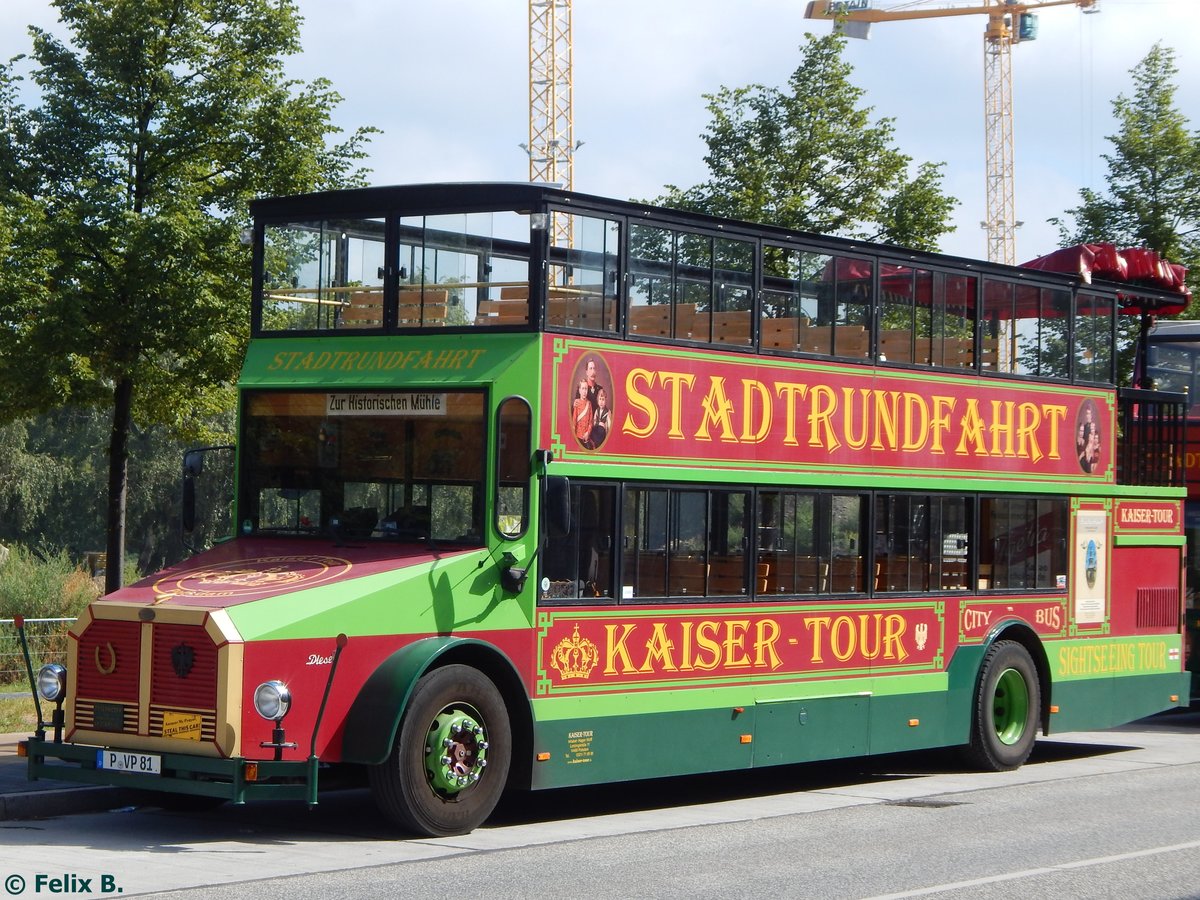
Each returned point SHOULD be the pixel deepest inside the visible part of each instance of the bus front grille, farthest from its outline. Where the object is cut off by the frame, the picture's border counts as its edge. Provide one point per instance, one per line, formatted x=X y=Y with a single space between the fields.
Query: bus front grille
x=176 y=698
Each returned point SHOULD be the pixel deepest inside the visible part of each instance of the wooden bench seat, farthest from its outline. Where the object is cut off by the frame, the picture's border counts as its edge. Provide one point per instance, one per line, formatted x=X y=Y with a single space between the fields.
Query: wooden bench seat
x=655 y=321
x=901 y=573
x=780 y=334
x=422 y=308
x=788 y=574
x=729 y=327
x=364 y=310
x=511 y=309
x=847 y=575
x=851 y=340
x=727 y=575
x=415 y=308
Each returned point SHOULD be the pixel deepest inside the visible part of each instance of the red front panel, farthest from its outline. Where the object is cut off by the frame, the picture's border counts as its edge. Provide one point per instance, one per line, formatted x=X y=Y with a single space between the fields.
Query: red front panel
x=185 y=667
x=109 y=656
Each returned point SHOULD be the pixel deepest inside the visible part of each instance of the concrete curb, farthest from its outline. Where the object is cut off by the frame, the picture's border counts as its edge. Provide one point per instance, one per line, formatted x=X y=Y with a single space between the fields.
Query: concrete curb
x=49 y=797
x=47 y=804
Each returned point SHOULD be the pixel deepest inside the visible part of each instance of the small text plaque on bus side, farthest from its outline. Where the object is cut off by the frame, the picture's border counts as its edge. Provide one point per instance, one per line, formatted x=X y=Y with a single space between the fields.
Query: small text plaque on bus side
x=374 y=404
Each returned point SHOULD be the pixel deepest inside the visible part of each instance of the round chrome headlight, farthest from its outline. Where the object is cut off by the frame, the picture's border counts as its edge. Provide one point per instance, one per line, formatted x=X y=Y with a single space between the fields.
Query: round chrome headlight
x=272 y=700
x=52 y=682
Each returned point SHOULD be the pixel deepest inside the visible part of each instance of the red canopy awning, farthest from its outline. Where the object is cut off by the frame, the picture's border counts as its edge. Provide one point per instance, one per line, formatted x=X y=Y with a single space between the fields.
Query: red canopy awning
x=1134 y=266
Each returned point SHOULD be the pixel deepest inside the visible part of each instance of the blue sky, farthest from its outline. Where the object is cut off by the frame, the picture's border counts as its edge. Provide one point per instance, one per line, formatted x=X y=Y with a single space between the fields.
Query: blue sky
x=447 y=83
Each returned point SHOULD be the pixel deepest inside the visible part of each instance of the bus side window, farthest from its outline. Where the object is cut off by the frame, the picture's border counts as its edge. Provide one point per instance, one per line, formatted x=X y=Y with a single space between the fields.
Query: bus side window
x=579 y=566
x=513 y=454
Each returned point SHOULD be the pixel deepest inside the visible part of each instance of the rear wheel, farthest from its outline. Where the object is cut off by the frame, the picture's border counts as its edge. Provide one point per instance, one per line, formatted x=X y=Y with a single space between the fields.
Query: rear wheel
x=1005 y=716
x=450 y=761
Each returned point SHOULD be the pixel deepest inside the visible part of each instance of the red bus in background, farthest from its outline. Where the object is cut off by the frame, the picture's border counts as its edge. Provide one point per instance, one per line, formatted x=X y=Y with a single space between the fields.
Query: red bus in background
x=1172 y=363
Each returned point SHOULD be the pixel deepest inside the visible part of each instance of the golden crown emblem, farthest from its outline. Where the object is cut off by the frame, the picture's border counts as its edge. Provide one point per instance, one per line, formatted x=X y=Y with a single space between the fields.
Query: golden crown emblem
x=575 y=657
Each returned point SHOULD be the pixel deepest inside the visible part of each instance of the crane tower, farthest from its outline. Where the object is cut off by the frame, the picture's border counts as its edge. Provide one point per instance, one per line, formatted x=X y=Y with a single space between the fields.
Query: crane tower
x=552 y=144
x=1009 y=22
x=551 y=127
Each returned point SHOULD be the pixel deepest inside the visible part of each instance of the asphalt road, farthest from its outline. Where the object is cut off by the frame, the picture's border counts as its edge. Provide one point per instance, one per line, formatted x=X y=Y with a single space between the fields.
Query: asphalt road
x=1102 y=814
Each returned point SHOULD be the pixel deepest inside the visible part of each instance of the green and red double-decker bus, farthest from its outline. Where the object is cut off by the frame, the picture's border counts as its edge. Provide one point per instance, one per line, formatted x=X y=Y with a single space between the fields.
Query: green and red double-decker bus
x=538 y=489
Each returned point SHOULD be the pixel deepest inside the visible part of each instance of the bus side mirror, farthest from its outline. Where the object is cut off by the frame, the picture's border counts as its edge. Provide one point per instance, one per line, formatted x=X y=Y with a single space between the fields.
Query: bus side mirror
x=193 y=465
x=557 y=498
x=191 y=497
x=188 y=514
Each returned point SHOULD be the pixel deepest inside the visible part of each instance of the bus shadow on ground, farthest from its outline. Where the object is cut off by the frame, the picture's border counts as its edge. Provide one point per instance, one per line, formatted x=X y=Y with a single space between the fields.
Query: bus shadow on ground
x=662 y=793
x=345 y=797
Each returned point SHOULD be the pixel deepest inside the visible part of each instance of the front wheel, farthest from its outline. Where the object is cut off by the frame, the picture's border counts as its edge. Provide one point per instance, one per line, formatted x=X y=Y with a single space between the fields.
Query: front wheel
x=1005 y=716
x=450 y=761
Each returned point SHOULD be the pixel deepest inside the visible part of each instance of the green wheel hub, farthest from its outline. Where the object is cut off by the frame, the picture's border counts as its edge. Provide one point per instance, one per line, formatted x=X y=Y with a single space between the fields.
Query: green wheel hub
x=1010 y=706
x=455 y=752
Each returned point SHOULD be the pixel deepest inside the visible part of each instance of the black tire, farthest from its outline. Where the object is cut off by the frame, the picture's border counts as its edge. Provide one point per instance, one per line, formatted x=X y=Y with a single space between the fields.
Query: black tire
x=1007 y=708
x=414 y=787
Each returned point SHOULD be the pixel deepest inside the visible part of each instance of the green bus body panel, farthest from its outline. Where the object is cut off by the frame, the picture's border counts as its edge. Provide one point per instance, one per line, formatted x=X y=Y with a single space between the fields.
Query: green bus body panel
x=804 y=730
x=1097 y=703
x=624 y=737
x=645 y=734
x=422 y=598
x=595 y=750
x=507 y=362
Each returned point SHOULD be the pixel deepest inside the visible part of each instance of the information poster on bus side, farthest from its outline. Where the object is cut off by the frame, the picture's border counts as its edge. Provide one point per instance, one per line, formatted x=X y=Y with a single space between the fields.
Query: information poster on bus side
x=1090 y=581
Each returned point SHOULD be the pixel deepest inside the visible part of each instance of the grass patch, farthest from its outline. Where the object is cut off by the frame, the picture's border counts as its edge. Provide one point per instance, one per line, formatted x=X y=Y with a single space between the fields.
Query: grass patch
x=17 y=715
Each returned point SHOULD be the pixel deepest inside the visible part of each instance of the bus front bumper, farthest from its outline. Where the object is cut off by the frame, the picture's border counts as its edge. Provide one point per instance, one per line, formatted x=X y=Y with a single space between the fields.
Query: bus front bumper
x=236 y=779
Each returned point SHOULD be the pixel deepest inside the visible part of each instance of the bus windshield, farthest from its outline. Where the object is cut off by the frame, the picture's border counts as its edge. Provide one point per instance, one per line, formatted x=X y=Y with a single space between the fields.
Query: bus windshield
x=389 y=465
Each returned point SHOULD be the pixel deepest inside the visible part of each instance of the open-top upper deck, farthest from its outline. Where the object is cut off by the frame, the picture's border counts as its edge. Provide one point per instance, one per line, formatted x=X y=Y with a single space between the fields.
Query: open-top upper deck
x=533 y=257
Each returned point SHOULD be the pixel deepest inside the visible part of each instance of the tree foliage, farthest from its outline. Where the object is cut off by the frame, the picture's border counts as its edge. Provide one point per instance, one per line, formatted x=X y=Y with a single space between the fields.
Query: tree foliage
x=1152 y=196
x=125 y=187
x=810 y=158
x=53 y=483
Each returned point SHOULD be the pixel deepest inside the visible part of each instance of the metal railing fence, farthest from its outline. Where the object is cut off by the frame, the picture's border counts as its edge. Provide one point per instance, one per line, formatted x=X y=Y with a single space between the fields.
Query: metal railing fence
x=47 y=639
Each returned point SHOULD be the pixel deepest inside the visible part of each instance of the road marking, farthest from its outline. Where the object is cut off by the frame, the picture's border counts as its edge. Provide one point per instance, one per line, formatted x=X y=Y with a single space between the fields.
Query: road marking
x=1045 y=870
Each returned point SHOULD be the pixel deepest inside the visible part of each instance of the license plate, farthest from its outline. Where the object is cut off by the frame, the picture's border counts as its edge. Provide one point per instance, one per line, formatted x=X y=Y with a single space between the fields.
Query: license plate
x=123 y=761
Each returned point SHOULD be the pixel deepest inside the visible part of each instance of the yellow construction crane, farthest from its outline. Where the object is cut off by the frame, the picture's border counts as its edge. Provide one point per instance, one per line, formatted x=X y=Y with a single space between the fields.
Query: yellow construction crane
x=1009 y=22
x=552 y=145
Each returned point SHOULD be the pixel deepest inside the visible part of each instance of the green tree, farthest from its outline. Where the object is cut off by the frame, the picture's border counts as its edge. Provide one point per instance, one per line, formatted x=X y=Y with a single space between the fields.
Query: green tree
x=1152 y=195
x=1153 y=181
x=126 y=184
x=810 y=158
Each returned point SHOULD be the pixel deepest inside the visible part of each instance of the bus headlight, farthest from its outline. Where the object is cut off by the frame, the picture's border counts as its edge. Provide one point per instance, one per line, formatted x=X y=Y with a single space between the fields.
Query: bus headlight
x=52 y=683
x=272 y=699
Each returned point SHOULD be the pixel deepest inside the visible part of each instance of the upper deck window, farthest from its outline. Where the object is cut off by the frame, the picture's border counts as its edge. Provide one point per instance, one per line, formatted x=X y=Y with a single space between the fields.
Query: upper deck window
x=584 y=287
x=927 y=318
x=384 y=261
x=322 y=274
x=1094 y=327
x=817 y=302
x=656 y=308
x=462 y=269
x=1028 y=326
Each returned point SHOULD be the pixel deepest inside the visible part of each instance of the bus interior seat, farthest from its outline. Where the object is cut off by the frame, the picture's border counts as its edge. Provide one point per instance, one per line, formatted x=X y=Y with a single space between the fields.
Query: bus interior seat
x=422 y=308
x=364 y=310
